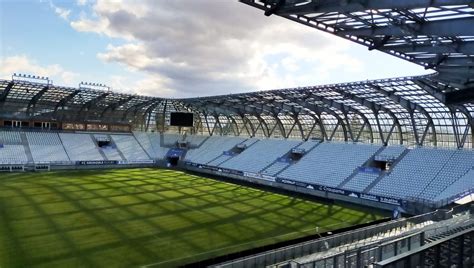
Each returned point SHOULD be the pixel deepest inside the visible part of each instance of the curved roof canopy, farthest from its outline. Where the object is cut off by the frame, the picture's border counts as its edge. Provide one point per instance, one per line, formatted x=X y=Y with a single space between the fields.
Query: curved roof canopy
x=436 y=34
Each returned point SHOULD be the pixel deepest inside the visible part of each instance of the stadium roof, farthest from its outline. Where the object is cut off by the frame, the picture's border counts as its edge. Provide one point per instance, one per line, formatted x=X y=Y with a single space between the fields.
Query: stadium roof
x=436 y=34
x=400 y=110
x=434 y=110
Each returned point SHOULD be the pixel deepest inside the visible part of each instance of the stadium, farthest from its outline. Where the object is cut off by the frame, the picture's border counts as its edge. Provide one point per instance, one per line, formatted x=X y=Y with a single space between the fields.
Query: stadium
x=374 y=173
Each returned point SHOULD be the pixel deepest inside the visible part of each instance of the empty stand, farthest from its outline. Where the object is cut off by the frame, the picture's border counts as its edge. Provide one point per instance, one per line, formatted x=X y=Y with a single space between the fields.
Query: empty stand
x=13 y=154
x=413 y=173
x=360 y=181
x=195 y=140
x=463 y=185
x=129 y=147
x=109 y=150
x=212 y=148
x=150 y=142
x=330 y=163
x=12 y=150
x=275 y=168
x=80 y=147
x=457 y=165
x=46 y=147
x=10 y=137
x=169 y=140
x=260 y=155
x=391 y=152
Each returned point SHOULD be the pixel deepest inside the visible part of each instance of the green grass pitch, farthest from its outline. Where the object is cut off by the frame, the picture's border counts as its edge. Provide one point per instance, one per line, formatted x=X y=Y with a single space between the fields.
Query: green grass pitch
x=135 y=217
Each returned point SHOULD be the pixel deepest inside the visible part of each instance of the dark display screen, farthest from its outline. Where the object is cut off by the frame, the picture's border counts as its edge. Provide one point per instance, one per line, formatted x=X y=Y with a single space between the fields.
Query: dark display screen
x=181 y=119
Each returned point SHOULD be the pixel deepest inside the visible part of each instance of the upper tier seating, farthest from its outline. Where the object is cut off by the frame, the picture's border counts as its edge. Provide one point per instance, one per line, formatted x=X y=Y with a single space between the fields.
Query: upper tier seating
x=413 y=173
x=392 y=152
x=80 y=147
x=195 y=140
x=10 y=137
x=307 y=145
x=151 y=143
x=171 y=139
x=46 y=147
x=130 y=148
x=249 y=142
x=260 y=155
x=13 y=154
x=330 y=163
x=213 y=147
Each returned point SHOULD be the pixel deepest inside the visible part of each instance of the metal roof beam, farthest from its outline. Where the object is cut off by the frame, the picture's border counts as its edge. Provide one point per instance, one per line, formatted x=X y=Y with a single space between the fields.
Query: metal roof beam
x=318 y=110
x=35 y=99
x=117 y=104
x=452 y=27
x=65 y=100
x=88 y=105
x=431 y=47
x=137 y=107
x=6 y=91
x=326 y=6
x=410 y=107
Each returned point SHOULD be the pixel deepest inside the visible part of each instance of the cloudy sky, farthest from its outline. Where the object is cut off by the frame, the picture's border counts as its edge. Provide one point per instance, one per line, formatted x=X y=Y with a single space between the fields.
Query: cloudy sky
x=177 y=48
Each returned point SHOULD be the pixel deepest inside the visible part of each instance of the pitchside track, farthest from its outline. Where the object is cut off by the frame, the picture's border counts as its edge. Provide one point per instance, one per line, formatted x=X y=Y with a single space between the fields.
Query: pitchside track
x=135 y=217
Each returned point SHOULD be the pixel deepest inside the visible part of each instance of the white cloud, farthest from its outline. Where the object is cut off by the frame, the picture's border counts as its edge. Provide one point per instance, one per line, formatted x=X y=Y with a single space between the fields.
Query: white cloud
x=61 y=12
x=191 y=48
x=81 y=2
x=22 y=64
x=145 y=85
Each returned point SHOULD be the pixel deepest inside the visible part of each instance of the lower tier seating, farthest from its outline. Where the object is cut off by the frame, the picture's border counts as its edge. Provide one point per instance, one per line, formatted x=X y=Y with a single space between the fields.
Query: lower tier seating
x=130 y=148
x=12 y=154
x=425 y=174
x=212 y=148
x=46 y=147
x=259 y=155
x=80 y=147
x=330 y=163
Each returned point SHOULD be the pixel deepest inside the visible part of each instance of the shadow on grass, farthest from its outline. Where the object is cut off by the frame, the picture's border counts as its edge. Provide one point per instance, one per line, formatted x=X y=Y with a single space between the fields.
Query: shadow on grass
x=123 y=218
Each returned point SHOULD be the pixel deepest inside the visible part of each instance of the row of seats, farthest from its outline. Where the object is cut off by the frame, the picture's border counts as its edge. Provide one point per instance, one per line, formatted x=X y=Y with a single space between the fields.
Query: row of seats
x=151 y=144
x=110 y=152
x=431 y=173
x=261 y=154
x=171 y=139
x=13 y=154
x=46 y=147
x=195 y=140
x=463 y=184
x=392 y=152
x=416 y=170
x=423 y=173
x=459 y=164
x=10 y=137
x=275 y=168
x=130 y=148
x=308 y=145
x=43 y=138
x=212 y=148
x=80 y=147
x=330 y=163
x=360 y=181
